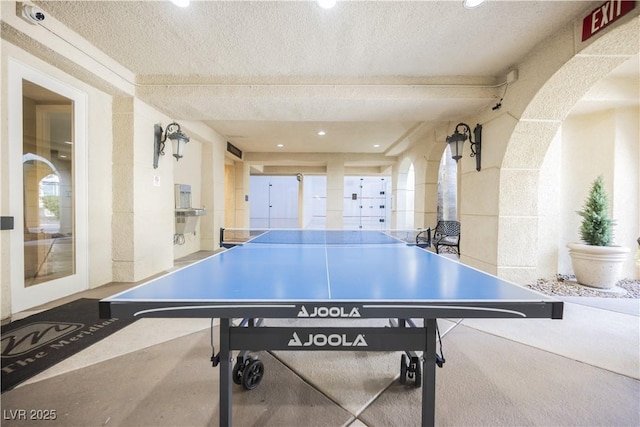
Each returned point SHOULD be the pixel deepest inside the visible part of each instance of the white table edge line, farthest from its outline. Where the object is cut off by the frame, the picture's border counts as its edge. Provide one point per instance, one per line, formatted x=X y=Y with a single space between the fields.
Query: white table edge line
x=199 y=307
x=454 y=307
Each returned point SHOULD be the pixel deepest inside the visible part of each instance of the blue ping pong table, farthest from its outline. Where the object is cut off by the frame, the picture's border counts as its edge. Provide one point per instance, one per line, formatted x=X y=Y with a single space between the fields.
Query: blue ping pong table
x=328 y=274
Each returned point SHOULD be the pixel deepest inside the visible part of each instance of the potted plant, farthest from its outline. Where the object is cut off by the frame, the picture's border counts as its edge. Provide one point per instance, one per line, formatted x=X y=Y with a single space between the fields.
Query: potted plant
x=597 y=263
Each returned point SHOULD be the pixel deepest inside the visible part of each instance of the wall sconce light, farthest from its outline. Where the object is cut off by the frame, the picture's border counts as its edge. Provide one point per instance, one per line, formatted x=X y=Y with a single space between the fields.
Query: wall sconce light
x=177 y=137
x=456 y=141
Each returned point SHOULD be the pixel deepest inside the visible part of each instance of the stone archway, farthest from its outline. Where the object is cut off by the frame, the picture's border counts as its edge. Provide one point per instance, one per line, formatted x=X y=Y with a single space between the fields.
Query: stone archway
x=531 y=136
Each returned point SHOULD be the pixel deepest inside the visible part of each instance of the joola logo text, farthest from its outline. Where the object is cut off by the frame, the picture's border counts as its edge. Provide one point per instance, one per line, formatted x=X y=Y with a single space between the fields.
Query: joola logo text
x=329 y=312
x=331 y=340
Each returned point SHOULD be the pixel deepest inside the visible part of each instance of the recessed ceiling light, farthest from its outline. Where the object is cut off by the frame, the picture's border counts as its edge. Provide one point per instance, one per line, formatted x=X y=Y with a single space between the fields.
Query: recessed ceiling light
x=470 y=4
x=181 y=3
x=326 y=4
x=321 y=133
x=280 y=145
x=376 y=145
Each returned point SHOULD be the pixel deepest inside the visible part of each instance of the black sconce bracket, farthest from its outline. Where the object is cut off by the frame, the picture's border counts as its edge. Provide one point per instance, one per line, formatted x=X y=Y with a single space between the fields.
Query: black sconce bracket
x=158 y=144
x=459 y=137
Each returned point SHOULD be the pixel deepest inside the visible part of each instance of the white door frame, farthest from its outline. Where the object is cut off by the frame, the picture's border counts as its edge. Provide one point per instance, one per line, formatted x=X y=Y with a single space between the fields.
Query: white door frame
x=23 y=298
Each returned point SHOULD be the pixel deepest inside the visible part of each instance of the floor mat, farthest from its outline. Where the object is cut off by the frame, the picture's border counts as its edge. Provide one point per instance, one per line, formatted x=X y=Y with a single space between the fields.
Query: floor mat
x=33 y=344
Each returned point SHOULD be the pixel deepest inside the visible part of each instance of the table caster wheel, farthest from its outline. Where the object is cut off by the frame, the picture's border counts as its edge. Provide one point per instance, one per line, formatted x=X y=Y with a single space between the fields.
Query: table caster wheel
x=403 y=368
x=252 y=374
x=417 y=376
x=415 y=372
x=238 y=368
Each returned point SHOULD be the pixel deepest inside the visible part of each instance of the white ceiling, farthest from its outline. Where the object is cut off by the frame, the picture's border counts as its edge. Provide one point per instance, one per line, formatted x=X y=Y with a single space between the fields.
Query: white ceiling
x=368 y=73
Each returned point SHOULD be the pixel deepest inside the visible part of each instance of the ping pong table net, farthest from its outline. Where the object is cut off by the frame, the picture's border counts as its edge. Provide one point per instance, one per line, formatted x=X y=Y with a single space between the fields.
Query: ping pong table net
x=230 y=237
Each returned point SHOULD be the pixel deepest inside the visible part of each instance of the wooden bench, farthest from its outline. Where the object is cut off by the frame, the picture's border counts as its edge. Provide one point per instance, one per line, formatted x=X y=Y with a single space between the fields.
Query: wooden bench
x=446 y=233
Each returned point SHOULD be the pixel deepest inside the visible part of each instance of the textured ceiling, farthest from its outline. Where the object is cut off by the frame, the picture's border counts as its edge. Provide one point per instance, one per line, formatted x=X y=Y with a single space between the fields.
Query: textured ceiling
x=368 y=73
x=276 y=41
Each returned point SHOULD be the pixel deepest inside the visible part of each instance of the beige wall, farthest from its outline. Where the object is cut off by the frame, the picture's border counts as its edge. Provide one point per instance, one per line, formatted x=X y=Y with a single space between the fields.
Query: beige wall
x=550 y=228
x=606 y=144
x=236 y=187
x=504 y=207
x=626 y=184
x=100 y=172
x=500 y=205
x=230 y=195
x=587 y=145
x=143 y=214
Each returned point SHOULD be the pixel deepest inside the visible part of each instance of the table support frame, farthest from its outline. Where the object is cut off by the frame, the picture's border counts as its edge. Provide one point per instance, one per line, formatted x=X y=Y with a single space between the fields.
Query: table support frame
x=280 y=338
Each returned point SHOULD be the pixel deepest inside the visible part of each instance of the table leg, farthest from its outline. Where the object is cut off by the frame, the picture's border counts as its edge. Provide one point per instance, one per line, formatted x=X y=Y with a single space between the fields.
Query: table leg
x=226 y=395
x=429 y=375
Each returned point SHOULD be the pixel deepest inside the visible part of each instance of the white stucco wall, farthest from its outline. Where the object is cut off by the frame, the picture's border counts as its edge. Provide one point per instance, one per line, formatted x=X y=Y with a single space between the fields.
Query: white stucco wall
x=604 y=144
x=549 y=194
x=552 y=79
x=626 y=184
x=143 y=209
x=100 y=159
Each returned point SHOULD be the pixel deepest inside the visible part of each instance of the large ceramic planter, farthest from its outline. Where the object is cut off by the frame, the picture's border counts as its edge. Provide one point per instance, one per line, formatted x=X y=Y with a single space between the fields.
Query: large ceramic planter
x=597 y=266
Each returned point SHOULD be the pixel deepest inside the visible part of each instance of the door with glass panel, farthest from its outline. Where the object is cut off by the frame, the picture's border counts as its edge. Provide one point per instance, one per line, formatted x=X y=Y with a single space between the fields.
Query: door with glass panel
x=49 y=238
x=366 y=202
x=274 y=202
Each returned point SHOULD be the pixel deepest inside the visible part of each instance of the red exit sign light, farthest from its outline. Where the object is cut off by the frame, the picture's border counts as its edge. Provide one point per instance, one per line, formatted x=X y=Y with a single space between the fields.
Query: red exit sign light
x=604 y=15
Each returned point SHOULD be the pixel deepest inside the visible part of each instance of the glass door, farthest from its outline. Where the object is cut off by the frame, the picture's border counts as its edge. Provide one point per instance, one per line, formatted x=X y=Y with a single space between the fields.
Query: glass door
x=274 y=202
x=366 y=203
x=48 y=193
x=45 y=156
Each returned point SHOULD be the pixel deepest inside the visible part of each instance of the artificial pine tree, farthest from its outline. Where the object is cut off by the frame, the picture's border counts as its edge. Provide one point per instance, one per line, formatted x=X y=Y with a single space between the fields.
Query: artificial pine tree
x=596 y=226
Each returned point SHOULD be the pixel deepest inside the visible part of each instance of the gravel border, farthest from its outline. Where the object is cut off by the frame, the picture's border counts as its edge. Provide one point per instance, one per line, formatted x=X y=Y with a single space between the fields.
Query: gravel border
x=567 y=286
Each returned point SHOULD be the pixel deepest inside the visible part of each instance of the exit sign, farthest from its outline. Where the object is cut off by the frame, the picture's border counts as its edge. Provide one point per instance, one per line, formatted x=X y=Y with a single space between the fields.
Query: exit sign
x=604 y=15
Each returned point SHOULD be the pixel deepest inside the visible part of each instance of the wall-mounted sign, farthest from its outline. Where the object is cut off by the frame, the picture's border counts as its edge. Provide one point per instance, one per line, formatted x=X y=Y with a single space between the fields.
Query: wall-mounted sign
x=604 y=15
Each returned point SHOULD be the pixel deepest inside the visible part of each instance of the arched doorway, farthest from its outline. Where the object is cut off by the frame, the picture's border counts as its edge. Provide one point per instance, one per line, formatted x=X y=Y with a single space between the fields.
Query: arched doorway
x=521 y=240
